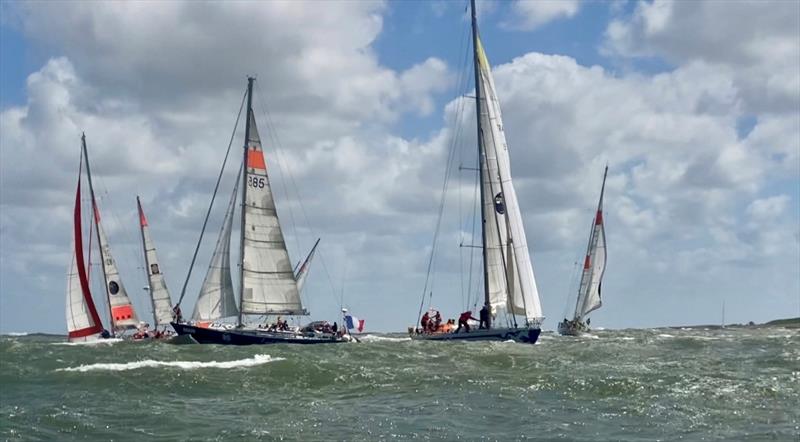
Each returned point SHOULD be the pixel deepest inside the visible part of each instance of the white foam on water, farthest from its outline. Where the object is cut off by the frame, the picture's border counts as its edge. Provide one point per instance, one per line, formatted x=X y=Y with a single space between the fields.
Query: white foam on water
x=183 y=365
x=664 y=335
x=17 y=334
x=375 y=338
x=109 y=341
x=589 y=336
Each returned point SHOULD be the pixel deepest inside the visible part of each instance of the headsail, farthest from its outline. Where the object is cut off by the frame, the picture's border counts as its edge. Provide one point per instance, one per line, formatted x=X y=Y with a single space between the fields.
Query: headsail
x=159 y=294
x=83 y=322
x=268 y=283
x=301 y=272
x=594 y=265
x=122 y=314
x=216 y=298
x=509 y=267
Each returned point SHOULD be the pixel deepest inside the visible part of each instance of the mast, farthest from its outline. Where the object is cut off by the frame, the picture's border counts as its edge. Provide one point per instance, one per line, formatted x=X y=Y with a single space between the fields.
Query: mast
x=480 y=156
x=244 y=193
x=97 y=231
x=146 y=262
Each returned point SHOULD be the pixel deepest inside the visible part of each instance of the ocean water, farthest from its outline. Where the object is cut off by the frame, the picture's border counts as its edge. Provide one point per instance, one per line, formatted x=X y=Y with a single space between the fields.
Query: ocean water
x=626 y=385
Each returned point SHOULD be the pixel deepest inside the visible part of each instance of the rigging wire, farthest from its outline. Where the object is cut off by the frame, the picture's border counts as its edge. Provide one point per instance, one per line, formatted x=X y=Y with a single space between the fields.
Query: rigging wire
x=211 y=205
x=279 y=152
x=431 y=267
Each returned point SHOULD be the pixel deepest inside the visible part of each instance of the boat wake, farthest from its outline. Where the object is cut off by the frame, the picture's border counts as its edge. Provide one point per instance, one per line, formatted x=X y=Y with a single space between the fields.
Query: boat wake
x=183 y=365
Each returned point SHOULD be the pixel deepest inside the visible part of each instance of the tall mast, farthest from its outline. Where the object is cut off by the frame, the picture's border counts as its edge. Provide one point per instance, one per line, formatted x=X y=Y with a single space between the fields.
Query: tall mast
x=95 y=213
x=480 y=154
x=146 y=261
x=244 y=193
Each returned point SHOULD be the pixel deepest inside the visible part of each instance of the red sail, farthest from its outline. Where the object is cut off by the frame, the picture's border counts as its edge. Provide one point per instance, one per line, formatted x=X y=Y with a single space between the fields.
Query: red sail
x=87 y=295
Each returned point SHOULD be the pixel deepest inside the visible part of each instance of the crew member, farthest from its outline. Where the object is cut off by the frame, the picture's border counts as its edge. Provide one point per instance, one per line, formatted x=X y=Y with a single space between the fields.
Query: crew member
x=462 y=321
x=484 y=315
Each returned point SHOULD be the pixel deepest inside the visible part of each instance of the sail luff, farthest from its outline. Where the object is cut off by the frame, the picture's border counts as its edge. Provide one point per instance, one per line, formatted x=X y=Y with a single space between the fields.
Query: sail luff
x=159 y=294
x=484 y=249
x=594 y=264
x=302 y=270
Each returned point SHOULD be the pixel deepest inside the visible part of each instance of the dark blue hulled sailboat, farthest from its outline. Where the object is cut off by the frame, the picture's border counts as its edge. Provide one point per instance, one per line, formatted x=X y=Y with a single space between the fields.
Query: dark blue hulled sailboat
x=268 y=284
x=511 y=299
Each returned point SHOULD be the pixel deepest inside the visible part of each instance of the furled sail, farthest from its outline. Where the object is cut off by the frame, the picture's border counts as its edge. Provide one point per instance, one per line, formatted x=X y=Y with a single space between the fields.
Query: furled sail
x=510 y=271
x=268 y=283
x=83 y=322
x=594 y=265
x=217 y=299
x=159 y=294
x=122 y=313
x=302 y=271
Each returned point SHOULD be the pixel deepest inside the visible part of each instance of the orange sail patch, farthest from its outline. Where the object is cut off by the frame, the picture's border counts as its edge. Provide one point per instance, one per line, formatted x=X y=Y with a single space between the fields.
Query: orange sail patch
x=122 y=312
x=255 y=159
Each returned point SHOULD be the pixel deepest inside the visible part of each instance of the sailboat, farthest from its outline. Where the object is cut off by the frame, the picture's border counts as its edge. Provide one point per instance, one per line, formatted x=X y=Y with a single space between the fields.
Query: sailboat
x=157 y=287
x=83 y=321
x=594 y=266
x=267 y=283
x=509 y=283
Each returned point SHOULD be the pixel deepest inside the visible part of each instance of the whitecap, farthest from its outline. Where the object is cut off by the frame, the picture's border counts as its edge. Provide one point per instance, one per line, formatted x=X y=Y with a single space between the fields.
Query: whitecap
x=183 y=365
x=589 y=336
x=664 y=335
x=17 y=334
x=376 y=338
x=109 y=341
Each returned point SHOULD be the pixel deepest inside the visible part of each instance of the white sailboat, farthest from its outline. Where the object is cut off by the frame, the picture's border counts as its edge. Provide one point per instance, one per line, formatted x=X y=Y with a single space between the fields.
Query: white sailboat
x=160 y=300
x=594 y=266
x=267 y=283
x=83 y=321
x=509 y=283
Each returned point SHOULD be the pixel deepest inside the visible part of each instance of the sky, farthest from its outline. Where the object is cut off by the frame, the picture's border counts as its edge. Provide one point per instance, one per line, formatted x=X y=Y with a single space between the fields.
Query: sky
x=695 y=107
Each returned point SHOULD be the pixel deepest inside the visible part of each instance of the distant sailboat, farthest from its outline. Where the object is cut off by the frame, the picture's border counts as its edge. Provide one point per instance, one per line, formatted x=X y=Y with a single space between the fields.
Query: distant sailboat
x=83 y=322
x=509 y=283
x=267 y=284
x=157 y=287
x=594 y=266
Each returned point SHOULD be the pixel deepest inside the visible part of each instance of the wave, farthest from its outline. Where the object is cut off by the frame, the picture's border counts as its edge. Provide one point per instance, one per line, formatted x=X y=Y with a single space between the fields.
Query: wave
x=376 y=338
x=664 y=335
x=16 y=334
x=108 y=341
x=183 y=365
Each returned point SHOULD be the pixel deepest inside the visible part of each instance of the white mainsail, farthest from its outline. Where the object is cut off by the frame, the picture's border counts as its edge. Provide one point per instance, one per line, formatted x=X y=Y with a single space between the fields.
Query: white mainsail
x=594 y=265
x=159 y=294
x=217 y=299
x=510 y=271
x=83 y=322
x=268 y=282
x=122 y=314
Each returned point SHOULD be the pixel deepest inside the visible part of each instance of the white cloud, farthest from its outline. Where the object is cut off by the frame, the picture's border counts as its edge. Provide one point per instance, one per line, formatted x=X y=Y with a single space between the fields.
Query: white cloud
x=532 y=14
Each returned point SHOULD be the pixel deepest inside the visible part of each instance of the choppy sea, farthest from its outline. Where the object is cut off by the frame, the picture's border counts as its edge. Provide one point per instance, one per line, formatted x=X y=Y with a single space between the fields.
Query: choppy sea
x=620 y=385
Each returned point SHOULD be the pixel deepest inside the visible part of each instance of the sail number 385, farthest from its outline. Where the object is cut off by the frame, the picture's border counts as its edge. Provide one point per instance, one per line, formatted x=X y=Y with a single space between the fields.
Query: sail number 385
x=256 y=181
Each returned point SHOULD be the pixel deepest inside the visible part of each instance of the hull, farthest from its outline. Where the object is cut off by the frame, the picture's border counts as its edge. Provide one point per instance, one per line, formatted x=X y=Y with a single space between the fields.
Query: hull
x=525 y=335
x=250 y=336
x=572 y=329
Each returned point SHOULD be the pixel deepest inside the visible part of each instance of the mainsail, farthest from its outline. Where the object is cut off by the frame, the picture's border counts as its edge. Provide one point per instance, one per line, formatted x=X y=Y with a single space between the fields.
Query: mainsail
x=159 y=295
x=122 y=314
x=83 y=322
x=509 y=270
x=268 y=284
x=594 y=265
x=216 y=298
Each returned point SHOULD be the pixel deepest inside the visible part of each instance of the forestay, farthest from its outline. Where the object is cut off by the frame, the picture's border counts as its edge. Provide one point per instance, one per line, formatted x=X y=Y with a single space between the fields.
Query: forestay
x=268 y=282
x=217 y=299
x=510 y=272
x=122 y=313
x=159 y=294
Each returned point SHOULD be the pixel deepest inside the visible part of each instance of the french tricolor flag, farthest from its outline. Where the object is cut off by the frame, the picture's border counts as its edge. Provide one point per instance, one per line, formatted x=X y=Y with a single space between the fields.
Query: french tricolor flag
x=354 y=323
